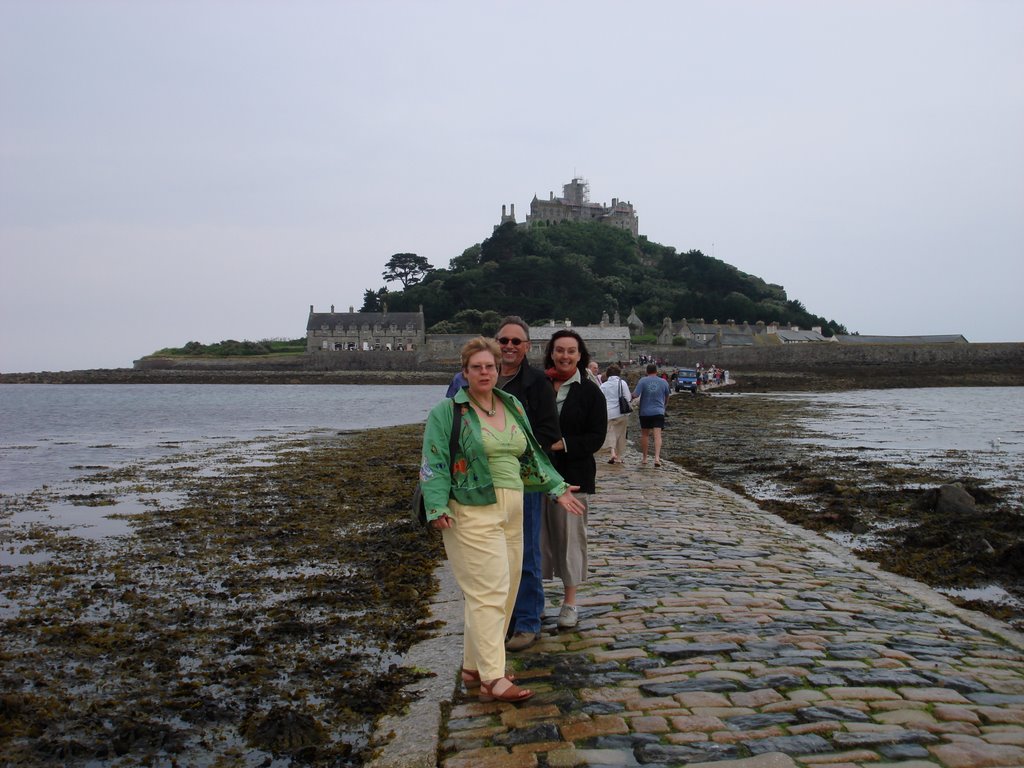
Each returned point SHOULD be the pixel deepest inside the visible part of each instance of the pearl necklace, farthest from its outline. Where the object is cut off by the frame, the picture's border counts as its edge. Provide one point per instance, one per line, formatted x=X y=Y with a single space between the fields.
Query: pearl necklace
x=490 y=412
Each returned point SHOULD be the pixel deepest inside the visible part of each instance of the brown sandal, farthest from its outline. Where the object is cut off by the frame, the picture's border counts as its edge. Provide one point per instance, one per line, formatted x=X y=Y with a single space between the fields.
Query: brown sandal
x=471 y=677
x=512 y=694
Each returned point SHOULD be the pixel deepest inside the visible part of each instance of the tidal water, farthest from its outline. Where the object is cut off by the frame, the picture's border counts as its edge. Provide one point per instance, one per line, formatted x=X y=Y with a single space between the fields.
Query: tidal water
x=969 y=431
x=51 y=433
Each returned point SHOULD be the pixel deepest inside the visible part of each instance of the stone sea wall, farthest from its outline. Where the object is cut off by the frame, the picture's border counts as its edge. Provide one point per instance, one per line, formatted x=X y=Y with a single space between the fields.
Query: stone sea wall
x=845 y=365
x=818 y=356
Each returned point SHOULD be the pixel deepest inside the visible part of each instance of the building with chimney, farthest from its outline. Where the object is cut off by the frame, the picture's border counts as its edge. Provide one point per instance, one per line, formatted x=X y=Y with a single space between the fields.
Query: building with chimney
x=365 y=331
x=574 y=205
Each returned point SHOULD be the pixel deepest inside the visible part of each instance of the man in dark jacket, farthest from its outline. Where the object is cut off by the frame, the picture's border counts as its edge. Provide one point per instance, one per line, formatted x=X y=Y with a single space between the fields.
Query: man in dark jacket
x=535 y=392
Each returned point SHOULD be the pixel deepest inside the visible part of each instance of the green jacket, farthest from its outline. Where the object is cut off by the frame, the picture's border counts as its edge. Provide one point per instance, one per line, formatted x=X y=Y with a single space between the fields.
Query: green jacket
x=470 y=483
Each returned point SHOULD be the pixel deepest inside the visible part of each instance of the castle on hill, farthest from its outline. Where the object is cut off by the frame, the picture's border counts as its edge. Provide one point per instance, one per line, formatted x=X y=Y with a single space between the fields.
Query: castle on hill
x=574 y=205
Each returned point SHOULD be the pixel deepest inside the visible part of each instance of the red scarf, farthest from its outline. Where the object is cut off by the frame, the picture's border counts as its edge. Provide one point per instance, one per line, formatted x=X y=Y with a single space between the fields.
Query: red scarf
x=555 y=375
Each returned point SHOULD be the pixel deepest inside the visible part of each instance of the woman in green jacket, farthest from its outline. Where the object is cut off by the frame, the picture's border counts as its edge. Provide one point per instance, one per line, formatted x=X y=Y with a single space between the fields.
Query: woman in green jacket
x=475 y=498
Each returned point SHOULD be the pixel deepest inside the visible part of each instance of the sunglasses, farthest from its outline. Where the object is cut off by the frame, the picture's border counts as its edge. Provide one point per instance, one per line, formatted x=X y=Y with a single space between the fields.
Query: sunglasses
x=505 y=341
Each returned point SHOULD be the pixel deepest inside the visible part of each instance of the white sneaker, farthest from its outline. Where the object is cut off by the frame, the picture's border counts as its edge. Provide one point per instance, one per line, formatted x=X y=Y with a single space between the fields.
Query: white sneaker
x=568 y=617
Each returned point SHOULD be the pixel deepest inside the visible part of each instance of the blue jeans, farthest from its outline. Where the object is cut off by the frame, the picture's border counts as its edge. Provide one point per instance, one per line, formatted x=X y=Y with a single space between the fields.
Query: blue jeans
x=529 y=608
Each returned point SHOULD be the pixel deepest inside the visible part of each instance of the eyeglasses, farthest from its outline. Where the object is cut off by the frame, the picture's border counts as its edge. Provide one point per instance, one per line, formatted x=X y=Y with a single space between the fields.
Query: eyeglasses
x=505 y=341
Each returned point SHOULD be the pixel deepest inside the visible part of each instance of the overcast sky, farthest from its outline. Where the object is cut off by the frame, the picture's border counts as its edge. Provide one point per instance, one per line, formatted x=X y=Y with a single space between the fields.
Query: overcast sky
x=176 y=171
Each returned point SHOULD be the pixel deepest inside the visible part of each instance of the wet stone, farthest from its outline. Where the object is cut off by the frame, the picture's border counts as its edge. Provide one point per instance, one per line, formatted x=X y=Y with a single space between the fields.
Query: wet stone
x=564 y=700
x=817 y=714
x=903 y=751
x=709 y=684
x=616 y=677
x=996 y=699
x=923 y=648
x=542 y=732
x=579 y=671
x=602 y=708
x=771 y=646
x=851 y=652
x=629 y=742
x=639 y=665
x=778 y=682
x=754 y=722
x=853 y=740
x=809 y=744
x=675 y=651
x=803 y=605
x=791 y=661
x=824 y=680
x=619 y=645
x=802 y=653
x=752 y=656
x=690 y=753
x=883 y=677
x=958 y=684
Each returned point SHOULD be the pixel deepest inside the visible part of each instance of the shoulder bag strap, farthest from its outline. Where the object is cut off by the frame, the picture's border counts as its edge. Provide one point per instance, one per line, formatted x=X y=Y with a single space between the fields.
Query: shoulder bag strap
x=453 y=442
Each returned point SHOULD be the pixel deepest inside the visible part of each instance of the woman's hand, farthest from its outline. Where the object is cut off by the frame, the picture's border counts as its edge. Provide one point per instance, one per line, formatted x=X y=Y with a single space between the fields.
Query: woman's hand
x=570 y=503
x=442 y=522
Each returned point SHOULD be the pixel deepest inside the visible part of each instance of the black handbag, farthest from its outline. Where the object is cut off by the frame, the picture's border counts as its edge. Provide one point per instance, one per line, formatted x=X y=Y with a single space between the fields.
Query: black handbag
x=624 y=405
x=419 y=509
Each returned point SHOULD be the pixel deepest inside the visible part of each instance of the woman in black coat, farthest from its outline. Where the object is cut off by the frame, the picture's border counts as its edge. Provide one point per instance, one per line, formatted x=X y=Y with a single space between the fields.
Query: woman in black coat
x=583 y=418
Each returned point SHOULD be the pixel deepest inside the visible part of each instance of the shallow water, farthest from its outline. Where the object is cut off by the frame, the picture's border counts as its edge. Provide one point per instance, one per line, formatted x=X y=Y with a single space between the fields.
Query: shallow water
x=52 y=432
x=973 y=431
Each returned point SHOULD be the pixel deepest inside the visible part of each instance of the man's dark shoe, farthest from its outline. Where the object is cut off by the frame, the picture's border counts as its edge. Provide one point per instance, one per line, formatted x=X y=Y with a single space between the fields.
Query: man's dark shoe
x=520 y=641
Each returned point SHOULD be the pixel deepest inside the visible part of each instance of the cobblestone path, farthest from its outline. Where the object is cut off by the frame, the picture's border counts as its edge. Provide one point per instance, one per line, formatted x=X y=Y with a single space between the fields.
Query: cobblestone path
x=713 y=632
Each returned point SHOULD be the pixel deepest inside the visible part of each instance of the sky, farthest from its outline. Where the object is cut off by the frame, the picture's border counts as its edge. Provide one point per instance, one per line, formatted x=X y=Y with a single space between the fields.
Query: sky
x=207 y=170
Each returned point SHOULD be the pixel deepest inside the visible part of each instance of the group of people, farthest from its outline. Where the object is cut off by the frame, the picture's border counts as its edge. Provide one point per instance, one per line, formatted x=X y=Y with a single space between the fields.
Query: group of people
x=712 y=375
x=509 y=490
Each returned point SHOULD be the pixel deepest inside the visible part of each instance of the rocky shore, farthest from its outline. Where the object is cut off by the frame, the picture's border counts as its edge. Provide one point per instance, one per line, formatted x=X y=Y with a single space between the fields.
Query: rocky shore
x=256 y=615
x=947 y=530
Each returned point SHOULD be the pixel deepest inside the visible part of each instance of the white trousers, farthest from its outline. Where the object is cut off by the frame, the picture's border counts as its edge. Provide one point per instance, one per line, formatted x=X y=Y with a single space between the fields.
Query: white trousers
x=616 y=436
x=485 y=549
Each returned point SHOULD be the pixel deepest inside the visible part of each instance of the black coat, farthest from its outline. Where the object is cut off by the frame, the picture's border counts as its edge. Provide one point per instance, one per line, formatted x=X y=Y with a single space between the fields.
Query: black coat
x=535 y=392
x=584 y=423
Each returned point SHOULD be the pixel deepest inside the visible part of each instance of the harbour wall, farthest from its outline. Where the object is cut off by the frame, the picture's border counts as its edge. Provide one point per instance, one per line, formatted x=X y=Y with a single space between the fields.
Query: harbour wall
x=1008 y=357
x=846 y=365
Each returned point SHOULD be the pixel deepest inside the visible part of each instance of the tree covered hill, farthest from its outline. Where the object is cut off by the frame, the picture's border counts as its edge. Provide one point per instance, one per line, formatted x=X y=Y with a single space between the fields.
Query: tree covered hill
x=579 y=271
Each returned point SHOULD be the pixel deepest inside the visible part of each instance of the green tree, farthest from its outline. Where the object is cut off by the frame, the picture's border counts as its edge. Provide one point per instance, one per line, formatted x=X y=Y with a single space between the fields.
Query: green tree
x=581 y=270
x=373 y=301
x=407 y=268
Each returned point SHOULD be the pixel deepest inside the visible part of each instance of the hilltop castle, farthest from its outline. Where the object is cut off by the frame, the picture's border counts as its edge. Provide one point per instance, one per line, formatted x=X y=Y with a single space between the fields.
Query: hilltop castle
x=574 y=205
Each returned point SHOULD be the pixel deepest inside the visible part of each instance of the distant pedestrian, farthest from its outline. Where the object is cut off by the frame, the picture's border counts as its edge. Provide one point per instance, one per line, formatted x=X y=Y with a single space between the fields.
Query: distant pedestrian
x=594 y=372
x=653 y=392
x=614 y=388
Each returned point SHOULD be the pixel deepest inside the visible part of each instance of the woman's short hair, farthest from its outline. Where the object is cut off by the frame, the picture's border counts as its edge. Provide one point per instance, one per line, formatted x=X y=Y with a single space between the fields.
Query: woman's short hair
x=479 y=344
x=549 y=361
x=613 y=370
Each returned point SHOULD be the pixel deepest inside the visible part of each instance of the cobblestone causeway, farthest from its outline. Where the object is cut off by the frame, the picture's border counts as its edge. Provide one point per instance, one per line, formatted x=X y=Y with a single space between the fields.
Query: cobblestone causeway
x=712 y=632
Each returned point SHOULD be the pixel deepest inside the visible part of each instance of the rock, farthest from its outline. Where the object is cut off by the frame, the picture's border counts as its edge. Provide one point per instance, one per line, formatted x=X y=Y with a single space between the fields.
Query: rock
x=952 y=499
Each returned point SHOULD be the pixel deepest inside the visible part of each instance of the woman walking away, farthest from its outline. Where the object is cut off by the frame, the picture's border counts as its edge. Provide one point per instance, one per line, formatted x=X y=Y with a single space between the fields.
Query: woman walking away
x=475 y=498
x=583 y=418
x=614 y=388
